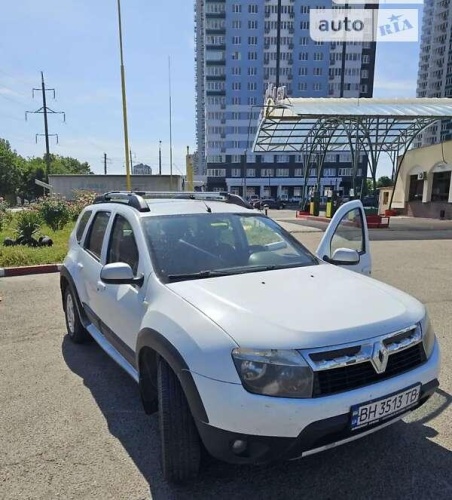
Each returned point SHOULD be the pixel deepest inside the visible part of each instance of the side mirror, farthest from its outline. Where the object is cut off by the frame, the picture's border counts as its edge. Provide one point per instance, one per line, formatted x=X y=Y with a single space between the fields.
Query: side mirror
x=119 y=273
x=344 y=257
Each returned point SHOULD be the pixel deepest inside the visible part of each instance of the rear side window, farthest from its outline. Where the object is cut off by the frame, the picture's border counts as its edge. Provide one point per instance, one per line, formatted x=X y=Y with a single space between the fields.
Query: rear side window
x=96 y=233
x=82 y=224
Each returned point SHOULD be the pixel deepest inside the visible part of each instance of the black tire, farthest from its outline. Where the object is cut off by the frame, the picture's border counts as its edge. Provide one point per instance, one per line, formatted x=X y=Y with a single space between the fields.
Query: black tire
x=181 y=447
x=75 y=330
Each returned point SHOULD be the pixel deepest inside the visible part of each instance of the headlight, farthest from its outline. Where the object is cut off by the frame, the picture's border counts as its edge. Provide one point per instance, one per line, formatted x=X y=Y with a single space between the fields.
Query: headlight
x=284 y=373
x=428 y=335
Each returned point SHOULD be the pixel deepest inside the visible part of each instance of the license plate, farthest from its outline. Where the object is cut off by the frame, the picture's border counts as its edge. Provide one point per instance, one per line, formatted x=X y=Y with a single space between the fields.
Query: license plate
x=378 y=410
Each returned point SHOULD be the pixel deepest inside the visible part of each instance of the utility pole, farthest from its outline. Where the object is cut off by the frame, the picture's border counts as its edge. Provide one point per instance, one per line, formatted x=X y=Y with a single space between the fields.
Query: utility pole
x=105 y=163
x=160 y=157
x=170 y=125
x=130 y=153
x=45 y=110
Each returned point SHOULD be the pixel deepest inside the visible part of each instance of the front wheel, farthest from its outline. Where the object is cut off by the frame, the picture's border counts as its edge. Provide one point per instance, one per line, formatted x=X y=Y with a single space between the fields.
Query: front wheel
x=181 y=447
x=75 y=329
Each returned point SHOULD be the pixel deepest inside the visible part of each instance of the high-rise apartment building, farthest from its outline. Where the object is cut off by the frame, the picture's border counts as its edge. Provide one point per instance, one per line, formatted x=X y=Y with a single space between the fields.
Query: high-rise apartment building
x=435 y=64
x=236 y=58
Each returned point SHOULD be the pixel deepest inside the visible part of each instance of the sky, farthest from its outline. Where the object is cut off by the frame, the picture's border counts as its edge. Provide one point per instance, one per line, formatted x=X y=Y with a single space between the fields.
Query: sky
x=76 y=44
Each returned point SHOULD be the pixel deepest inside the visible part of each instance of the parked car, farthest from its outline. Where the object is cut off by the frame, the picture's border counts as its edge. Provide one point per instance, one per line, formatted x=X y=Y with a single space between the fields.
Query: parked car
x=253 y=198
x=317 y=355
x=270 y=203
x=295 y=199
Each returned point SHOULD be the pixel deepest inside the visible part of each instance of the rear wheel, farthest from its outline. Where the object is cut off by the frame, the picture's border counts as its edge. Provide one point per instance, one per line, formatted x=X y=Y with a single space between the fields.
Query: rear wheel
x=75 y=329
x=181 y=447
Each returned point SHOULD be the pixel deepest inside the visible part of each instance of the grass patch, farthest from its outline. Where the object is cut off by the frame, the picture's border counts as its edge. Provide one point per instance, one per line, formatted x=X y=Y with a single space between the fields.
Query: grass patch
x=20 y=255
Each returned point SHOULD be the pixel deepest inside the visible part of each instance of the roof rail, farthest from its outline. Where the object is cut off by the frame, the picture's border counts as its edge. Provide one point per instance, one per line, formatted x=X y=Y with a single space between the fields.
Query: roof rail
x=125 y=198
x=197 y=195
x=136 y=199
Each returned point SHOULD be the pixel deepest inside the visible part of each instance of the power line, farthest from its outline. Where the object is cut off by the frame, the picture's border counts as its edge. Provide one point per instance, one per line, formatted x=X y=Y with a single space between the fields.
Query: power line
x=45 y=110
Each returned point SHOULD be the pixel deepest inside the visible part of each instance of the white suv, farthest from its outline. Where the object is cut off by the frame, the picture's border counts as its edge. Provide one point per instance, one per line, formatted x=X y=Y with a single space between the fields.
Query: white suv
x=244 y=342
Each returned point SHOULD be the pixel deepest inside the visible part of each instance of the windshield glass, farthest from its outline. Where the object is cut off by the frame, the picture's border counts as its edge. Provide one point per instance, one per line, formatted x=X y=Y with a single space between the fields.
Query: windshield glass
x=198 y=246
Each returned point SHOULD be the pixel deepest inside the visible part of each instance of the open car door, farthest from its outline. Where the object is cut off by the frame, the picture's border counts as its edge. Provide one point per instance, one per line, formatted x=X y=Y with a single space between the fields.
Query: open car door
x=346 y=239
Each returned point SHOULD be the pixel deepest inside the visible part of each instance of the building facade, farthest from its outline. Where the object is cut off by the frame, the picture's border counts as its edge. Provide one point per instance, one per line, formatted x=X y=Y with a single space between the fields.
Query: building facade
x=141 y=169
x=435 y=64
x=236 y=59
x=424 y=186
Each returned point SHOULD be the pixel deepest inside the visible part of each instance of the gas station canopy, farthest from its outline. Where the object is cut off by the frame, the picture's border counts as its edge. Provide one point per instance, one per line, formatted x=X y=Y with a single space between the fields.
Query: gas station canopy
x=314 y=127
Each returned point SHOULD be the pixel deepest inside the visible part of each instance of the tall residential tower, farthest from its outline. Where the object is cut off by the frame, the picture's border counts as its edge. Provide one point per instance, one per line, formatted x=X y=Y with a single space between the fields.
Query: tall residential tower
x=236 y=58
x=435 y=64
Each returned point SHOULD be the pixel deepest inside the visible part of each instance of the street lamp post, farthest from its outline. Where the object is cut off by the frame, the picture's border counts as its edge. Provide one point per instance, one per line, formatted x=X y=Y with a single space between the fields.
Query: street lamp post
x=124 y=102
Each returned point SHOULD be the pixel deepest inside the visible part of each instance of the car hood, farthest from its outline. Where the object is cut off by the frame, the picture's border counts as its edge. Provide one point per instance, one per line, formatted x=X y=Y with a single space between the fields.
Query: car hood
x=305 y=307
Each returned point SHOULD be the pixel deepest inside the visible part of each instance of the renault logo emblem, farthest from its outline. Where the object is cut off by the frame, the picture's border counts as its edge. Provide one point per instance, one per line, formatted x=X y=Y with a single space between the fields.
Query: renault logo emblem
x=380 y=357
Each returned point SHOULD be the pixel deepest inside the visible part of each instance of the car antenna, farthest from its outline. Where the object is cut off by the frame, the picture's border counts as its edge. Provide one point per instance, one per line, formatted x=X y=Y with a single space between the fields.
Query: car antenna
x=209 y=210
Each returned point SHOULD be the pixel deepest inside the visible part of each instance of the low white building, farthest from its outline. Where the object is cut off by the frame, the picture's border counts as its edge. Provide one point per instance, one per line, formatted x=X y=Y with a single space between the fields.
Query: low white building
x=67 y=185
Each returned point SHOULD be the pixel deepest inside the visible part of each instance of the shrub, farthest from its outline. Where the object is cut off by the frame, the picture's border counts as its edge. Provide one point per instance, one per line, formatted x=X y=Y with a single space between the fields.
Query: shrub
x=28 y=223
x=54 y=212
x=5 y=215
x=82 y=199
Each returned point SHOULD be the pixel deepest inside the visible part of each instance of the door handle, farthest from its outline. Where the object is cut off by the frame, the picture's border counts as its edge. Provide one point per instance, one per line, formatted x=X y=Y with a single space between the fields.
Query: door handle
x=100 y=286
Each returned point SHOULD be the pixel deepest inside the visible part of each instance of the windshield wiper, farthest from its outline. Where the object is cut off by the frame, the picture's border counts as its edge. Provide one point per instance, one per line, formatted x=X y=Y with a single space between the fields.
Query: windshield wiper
x=198 y=275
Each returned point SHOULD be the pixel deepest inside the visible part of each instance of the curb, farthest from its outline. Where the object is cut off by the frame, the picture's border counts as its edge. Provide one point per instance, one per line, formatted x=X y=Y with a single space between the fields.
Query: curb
x=317 y=218
x=6 y=272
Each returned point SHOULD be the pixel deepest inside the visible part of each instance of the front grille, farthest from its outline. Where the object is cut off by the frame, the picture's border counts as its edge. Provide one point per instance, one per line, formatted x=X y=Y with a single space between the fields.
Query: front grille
x=353 y=376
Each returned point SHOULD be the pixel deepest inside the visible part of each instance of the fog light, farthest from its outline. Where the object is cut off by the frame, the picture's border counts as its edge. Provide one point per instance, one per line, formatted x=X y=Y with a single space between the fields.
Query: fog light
x=239 y=446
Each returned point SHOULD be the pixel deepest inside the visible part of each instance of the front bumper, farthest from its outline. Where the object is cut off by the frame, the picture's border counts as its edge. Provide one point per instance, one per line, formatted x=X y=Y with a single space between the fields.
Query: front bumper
x=282 y=428
x=240 y=448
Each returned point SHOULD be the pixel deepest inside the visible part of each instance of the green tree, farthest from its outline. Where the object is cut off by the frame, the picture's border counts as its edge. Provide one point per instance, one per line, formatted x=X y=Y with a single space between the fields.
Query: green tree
x=67 y=165
x=10 y=163
x=384 y=181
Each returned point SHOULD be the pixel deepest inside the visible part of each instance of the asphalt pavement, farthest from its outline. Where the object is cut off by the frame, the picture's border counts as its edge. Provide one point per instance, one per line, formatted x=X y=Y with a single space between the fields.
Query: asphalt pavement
x=72 y=425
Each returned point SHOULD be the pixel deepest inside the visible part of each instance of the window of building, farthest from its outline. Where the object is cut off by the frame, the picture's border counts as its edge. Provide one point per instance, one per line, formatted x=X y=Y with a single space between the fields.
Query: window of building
x=267 y=172
x=304 y=25
x=236 y=100
x=236 y=172
x=236 y=56
x=303 y=56
x=236 y=70
x=329 y=172
x=441 y=186
x=236 y=159
x=302 y=86
x=303 y=71
x=237 y=8
x=251 y=172
x=252 y=101
x=252 y=25
x=252 y=9
x=252 y=56
x=298 y=172
x=318 y=56
x=317 y=86
x=252 y=86
x=304 y=40
x=216 y=172
x=252 y=40
x=236 y=85
x=345 y=172
x=252 y=71
x=237 y=24
x=282 y=172
x=317 y=71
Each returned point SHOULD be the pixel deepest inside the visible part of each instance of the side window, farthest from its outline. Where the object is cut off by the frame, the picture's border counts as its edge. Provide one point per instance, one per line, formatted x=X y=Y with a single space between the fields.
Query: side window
x=93 y=243
x=122 y=246
x=82 y=224
x=349 y=232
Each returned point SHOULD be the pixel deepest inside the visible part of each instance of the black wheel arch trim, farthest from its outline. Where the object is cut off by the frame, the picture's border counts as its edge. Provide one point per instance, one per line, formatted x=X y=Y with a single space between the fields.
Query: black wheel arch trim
x=156 y=341
x=66 y=275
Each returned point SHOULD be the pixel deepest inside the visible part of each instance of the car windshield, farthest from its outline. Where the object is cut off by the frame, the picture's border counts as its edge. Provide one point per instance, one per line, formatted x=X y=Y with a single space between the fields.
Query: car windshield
x=197 y=246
